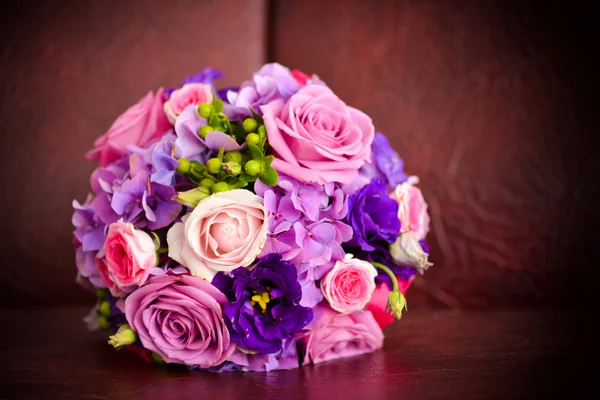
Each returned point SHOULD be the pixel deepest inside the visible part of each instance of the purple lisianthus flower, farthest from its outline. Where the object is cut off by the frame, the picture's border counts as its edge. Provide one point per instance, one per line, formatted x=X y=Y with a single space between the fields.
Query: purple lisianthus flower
x=272 y=81
x=144 y=203
x=386 y=165
x=263 y=307
x=207 y=76
x=373 y=216
x=89 y=237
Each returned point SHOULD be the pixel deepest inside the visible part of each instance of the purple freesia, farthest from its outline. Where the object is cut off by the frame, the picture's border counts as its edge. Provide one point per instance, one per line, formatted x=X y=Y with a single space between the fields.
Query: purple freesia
x=263 y=307
x=208 y=75
x=373 y=216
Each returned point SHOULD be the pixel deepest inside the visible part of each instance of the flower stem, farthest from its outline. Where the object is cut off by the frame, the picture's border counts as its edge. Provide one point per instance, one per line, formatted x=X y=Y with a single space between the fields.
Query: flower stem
x=389 y=272
x=162 y=250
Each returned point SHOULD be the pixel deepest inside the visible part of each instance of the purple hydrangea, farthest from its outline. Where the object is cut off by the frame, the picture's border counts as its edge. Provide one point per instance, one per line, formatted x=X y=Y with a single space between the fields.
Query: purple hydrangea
x=386 y=165
x=89 y=236
x=272 y=81
x=264 y=304
x=373 y=216
x=208 y=75
x=306 y=227
x=130 y=194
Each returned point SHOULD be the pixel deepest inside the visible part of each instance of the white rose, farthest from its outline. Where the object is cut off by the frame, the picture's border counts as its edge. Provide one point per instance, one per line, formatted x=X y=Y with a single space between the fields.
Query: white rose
x=225 y=231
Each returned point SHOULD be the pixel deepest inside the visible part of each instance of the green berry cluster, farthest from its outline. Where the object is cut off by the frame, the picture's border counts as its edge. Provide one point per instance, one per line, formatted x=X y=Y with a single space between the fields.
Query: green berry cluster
x=228 y=169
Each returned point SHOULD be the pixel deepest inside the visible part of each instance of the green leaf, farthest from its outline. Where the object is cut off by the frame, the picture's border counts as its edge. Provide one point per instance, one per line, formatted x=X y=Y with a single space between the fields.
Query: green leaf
x=256 y=152
x=217 y=104
x=244 y=177
x=269 y=177
x=257 y=117
x=239 y=133
x=268 y=160
x=238 y=185
x=221 y=153
x=214 y=121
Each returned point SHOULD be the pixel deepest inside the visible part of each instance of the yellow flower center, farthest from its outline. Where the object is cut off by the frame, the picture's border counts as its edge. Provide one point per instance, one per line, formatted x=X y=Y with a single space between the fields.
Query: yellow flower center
x=262 y=299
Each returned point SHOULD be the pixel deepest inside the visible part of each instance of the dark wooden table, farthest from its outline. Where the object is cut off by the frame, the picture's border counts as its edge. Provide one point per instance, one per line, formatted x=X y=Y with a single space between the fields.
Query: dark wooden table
x=49 y=354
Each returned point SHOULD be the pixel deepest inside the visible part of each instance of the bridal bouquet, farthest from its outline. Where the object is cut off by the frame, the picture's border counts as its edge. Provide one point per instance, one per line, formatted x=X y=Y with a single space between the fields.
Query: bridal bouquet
x=254 y=228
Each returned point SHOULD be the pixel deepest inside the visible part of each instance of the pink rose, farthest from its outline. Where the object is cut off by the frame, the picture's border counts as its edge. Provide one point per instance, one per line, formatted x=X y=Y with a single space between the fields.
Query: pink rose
x=413 y=209
x=379 y=302
x=180 y=318
x=140 y=124
x=129 y=257
x=349 y=285
x=225 y=231
x=334 y=335
x=190 y=94
x=316 y=137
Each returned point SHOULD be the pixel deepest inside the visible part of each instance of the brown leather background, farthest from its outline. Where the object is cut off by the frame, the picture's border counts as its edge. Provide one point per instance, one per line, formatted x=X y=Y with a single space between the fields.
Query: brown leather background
x=488 y=102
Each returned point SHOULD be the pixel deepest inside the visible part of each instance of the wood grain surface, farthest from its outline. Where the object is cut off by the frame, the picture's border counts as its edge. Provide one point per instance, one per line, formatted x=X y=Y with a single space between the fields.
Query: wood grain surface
x=48 y=354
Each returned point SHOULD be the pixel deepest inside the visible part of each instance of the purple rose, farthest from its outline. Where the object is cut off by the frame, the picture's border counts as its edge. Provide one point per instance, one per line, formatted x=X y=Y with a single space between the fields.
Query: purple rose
x=180 y=318
x=264 y=304
x=373 y=216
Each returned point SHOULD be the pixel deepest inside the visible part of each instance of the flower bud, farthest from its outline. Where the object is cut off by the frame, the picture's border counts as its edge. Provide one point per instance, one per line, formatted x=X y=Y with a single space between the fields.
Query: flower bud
x=250 y=125
x=192 y=197
x=232 y=168
x=207 y=183
x=103 y=322
x=101 y=294
x=234 y=155
x=205 y=130
x=396 y=303
x=252 y=167
x=184 y=166
x=253 y=138
x=407 y=250
x=213 y=165
x=104 y=309
x=220 y=187
x=156 y=357
x=124 y=336
x=205 y=109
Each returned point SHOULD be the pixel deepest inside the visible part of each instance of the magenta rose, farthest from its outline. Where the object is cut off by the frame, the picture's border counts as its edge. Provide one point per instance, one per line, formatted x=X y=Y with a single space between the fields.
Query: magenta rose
x=140 y=124
x=332 y=335
x=316 y=137
x=129 y=255
x=180 y=318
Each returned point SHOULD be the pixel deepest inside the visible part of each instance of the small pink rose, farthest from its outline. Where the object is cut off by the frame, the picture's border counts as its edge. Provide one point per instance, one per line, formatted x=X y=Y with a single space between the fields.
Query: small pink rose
x=413 y=208
x=140 y=124
x=129 y=257
x=190 y=94
x=349 y=285
x=333 y=335
x=316 y=137
x=225 y=231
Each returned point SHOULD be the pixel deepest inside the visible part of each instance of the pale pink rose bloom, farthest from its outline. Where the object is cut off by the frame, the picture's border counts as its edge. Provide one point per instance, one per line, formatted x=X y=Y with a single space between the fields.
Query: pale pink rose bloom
x=412 y=210
x=190 y=94
x=140 y=124
x=332 y=335
x=316 y=137
x=225 y=231
x=349 y=285
x=129 y=257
